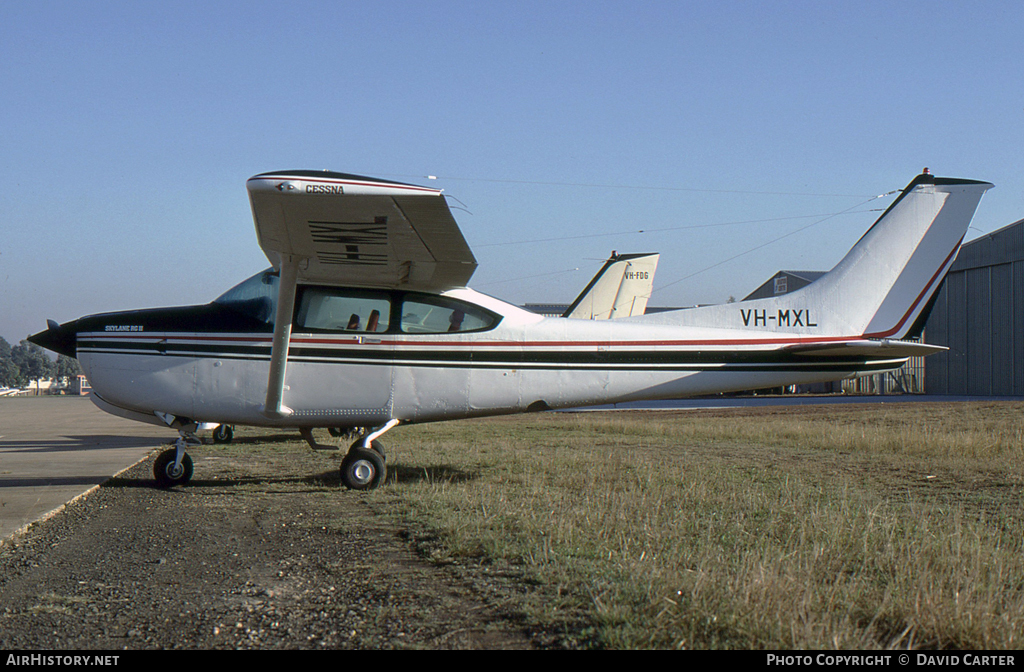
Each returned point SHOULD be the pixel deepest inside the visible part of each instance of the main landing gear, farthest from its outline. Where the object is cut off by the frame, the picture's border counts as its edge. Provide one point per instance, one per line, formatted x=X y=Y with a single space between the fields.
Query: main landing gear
x=364 y=468
x=365 y=465
x=223 y=434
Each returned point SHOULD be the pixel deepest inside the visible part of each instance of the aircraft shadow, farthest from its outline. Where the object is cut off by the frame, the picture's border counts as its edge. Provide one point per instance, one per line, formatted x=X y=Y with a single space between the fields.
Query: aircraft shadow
x=81 y=442
x=255 y=440
x=49 y=481
x=440 y=473
x=324 y=480
x=78 y=442
x=328 y=479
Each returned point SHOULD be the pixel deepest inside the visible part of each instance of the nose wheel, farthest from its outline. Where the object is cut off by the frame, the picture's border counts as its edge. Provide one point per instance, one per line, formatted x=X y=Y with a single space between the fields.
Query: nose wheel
x=169 y=471
x=174 y=466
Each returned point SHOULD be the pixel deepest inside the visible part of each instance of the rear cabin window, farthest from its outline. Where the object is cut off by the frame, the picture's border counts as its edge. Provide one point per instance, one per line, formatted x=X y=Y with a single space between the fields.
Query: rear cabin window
x=439 y=315
x=323 y=309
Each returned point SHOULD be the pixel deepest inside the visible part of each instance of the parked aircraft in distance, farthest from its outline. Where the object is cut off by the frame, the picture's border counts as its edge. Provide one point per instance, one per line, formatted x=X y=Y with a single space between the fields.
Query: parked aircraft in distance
x=620 y=289
x=365 y=320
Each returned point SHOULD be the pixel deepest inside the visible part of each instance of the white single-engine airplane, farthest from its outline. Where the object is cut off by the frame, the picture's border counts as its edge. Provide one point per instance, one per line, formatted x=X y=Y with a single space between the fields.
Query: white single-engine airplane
x=365 y=320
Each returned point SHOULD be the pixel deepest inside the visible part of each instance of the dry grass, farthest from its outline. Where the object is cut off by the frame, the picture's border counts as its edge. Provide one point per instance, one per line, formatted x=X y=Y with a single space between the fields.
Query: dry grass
x=817 y=527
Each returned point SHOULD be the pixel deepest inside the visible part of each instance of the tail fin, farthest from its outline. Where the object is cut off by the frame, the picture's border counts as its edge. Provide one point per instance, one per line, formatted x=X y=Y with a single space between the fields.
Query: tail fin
x=620 y=289
x=883 y=287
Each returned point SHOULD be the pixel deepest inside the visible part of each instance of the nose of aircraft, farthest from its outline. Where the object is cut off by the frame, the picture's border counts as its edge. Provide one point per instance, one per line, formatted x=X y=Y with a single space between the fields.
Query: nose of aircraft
x=60 y=338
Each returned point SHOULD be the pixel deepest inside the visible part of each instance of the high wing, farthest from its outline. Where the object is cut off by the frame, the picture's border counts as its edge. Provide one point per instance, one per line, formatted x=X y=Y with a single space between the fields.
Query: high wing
x=359 y=231
x=350 y=230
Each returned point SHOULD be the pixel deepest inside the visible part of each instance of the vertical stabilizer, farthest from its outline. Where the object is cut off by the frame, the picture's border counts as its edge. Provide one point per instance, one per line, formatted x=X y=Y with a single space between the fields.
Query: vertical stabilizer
x=620 y=289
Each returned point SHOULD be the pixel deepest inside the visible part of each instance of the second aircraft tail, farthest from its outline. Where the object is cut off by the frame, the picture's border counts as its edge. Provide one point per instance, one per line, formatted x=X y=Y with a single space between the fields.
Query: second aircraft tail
x=620 y=289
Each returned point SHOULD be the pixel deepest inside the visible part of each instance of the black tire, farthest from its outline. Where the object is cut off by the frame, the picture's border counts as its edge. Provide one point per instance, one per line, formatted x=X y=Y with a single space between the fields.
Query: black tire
x=164 y=472
x=223 y=434
x=376 y=445
x=363 y=469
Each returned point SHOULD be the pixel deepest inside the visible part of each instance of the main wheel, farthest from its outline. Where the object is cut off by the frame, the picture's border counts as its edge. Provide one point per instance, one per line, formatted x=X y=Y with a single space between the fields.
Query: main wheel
x=223 y=434
x=363 y=469
x=165 y=473
x=377 y=446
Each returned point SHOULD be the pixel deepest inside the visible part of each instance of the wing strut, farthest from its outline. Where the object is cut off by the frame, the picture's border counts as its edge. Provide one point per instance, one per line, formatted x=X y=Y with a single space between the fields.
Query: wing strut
x=274 y=407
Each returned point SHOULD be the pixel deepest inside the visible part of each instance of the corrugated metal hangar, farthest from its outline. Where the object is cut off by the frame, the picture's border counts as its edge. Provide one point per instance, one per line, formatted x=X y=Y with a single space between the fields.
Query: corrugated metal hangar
x=979 y=316
x=784 y=282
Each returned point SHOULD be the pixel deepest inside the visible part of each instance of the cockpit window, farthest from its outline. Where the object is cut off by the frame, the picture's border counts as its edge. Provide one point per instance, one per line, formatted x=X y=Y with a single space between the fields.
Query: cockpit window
x=358 y=310
x=423 y=314
x=255 y=297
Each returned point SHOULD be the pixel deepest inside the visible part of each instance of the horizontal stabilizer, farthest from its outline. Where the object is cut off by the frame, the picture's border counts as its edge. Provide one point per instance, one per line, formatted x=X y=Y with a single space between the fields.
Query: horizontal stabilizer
x=866 y=348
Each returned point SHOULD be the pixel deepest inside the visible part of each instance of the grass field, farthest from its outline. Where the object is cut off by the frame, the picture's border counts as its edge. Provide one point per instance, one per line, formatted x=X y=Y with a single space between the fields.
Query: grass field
x=860 y=526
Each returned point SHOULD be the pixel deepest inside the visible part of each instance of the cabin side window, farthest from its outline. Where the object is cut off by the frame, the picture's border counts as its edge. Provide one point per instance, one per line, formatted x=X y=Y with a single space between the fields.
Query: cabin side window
x=423 y=314
x=330 y=309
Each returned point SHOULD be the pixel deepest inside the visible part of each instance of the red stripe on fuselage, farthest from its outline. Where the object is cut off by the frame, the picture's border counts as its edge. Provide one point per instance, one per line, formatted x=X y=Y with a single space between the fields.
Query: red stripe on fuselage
x=920 y=297
x=349 y=340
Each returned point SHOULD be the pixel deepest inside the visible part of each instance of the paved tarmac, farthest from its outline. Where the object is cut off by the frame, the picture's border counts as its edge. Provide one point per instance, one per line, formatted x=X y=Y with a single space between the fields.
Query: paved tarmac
x=54 y=449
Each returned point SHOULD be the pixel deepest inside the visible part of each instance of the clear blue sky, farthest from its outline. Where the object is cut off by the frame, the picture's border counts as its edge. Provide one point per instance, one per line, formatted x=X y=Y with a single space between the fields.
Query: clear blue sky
x=128 y=129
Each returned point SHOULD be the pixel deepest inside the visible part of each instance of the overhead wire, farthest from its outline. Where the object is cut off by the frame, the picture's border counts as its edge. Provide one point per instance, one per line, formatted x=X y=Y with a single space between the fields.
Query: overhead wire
x=595 y=185
x=529 y=277
x=663 y=229
x=822 y=218
x=774 y=240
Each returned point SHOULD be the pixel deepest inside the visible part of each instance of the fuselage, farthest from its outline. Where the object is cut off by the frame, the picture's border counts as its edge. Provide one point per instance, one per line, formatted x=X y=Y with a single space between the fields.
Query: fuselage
x=360 y=357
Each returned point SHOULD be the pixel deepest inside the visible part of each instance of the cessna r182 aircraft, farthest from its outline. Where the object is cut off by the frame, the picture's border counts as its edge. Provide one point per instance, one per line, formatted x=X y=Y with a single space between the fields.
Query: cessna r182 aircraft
x=365 y=320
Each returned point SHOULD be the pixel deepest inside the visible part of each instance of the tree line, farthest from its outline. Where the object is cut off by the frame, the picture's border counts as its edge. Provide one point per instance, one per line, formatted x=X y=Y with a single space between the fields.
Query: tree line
x=25 y=362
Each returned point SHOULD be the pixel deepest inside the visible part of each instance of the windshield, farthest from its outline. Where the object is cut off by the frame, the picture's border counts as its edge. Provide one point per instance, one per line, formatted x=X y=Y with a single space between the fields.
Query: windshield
x=255 y=297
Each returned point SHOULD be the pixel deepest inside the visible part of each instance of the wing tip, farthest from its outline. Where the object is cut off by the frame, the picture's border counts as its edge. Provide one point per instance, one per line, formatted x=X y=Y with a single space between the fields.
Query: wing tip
x=331 y=176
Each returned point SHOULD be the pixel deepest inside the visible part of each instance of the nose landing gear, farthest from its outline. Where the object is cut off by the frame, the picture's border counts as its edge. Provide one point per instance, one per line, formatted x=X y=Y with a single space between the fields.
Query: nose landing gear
x=169 y=472
x=174 y=466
